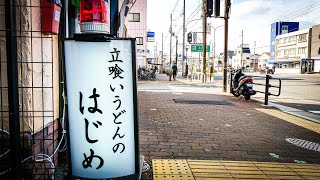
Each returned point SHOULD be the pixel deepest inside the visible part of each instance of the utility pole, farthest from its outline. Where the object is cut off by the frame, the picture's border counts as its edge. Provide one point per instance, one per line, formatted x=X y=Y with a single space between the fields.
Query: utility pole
x=183 y=34
x=162 y=56
x=204 y=35
x=241 y=48
x=177 y=50
x=226 y=18
x=170 y=30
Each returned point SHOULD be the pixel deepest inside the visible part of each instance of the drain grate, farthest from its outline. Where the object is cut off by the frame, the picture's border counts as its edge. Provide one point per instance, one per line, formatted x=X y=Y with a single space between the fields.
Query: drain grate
x=201 y=101
x=304 y=144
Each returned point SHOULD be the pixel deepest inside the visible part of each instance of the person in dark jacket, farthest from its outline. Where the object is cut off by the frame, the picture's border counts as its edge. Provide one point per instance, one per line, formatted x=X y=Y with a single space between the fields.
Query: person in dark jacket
x=174 y=71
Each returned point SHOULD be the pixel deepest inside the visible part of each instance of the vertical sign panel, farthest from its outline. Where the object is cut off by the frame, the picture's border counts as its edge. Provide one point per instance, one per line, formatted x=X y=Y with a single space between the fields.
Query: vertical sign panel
x=101 y=108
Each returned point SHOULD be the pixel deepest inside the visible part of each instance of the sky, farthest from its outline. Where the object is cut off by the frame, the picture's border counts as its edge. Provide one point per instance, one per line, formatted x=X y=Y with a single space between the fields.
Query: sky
x=254 y=17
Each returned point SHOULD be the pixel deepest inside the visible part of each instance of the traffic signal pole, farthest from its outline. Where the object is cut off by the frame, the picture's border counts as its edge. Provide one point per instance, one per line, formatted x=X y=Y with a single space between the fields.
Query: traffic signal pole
x=170 y=31
x=226 y=18
x=204 y=36
x=184 y=35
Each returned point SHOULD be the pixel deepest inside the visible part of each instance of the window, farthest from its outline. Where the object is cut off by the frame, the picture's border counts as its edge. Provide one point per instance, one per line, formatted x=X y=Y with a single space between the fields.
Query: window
x=284 y=29
x=134 y=17
x=302 y=37
x=292 y=52
x=139 y=40
x=302 y=50
x=273 y=29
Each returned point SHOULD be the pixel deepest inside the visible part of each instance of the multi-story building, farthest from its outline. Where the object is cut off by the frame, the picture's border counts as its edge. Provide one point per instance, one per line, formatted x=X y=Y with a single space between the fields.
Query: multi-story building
x=315 y=47
x=279 y=28
x=292 y=49
x=241 y=57
x=136 y=23
x=263 y=60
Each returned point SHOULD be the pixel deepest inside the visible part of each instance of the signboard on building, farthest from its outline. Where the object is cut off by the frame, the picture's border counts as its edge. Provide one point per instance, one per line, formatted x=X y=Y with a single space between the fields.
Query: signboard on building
x=199 y=48
x=150 y=34
x=102 y=109
x=150 y=39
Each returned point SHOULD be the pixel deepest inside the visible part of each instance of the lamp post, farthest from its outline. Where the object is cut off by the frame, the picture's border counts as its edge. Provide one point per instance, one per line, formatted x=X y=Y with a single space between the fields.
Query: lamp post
x=214 y=43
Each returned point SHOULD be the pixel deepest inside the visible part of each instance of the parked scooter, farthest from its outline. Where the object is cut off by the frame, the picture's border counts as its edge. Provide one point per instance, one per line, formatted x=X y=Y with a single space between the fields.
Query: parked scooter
x=242 y=85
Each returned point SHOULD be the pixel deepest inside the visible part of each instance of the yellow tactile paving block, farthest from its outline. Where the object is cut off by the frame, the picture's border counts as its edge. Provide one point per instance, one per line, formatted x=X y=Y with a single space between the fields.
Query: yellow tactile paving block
x=170 y=167
x=173 y=177
x=292 y=119
x=205 y=169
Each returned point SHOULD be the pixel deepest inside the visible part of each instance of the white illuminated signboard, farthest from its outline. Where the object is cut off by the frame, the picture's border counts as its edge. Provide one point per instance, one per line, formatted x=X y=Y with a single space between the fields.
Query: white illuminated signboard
x=101 y=108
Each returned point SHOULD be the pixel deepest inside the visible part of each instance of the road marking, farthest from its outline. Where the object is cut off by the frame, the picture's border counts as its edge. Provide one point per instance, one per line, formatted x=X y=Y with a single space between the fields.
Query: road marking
x=214 y=169
x=304 y=144
x=312 y=126
x=316 y=112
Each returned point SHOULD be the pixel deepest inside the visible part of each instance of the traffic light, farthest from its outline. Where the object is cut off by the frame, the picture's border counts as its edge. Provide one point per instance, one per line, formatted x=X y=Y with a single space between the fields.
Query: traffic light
x=189 y=37
x=209 y=8
x=216 y=8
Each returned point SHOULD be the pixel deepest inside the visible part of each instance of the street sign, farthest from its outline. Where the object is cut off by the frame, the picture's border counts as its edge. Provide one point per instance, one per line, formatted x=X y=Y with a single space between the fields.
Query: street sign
x=150 y=34
x=199 y=48
x=150 y=39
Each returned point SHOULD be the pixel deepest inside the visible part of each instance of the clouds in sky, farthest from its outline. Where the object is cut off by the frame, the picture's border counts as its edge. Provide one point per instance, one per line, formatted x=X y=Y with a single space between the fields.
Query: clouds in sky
x=254 y=17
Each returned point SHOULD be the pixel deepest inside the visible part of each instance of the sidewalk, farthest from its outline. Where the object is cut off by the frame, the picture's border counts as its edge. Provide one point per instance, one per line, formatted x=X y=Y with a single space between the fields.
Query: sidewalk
x=179 y=122
x=217 y=88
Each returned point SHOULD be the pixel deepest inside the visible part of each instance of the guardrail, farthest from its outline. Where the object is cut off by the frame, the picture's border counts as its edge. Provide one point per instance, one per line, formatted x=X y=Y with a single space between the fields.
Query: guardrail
x=267 y=86
x=209 y=77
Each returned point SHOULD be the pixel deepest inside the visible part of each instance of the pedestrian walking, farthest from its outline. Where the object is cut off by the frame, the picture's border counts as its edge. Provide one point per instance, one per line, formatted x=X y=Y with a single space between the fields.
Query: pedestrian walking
x=274 y=69
x=174 y=71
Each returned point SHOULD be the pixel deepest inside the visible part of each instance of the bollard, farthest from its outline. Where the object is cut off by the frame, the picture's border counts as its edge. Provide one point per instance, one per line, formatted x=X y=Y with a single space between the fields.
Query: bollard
x=266 y=97
x=230 y=83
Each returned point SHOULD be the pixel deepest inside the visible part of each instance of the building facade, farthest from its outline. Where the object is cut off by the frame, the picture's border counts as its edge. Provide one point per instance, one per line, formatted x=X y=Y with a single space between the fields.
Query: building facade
x=292 y=49
x=241 y=57
x=279 y=28
x=254 y=62
x=315 y=48
x=136 y=23
x=263 y=60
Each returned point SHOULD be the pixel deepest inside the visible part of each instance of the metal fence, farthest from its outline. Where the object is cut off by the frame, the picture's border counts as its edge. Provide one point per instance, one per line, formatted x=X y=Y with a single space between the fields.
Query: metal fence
x=267 y=86
x=28 y=124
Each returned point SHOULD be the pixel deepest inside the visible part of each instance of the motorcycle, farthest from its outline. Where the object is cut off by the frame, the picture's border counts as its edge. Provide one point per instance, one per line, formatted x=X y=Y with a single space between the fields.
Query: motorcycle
x=242 y=85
